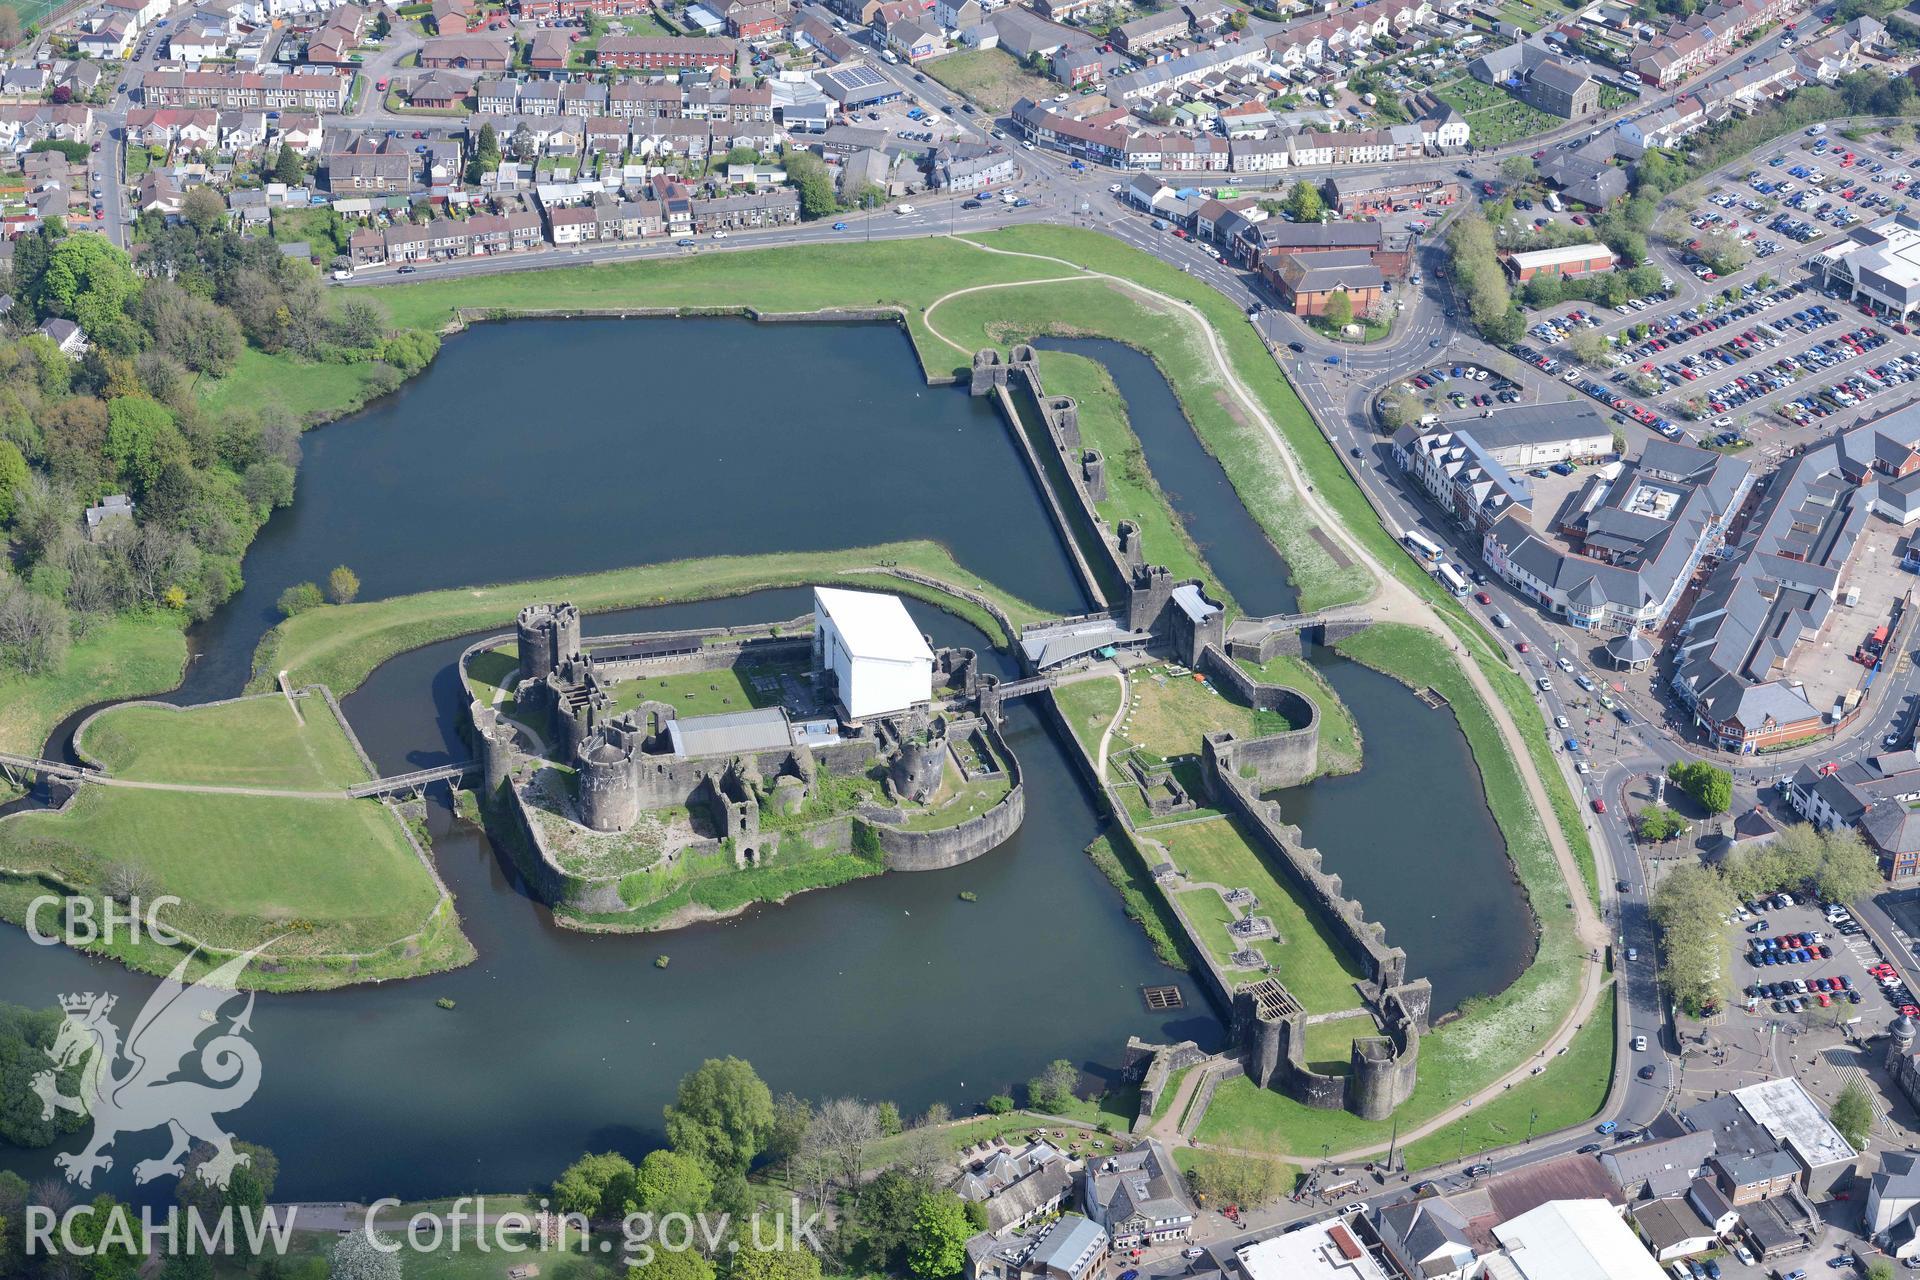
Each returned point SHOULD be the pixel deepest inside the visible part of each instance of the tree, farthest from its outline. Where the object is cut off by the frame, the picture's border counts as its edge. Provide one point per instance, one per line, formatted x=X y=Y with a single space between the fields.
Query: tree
x=1852 y=1114
x=1848 y=869
x=1517 y=168
x=937 y=1244
x=796 y=1263
x=1339 y=309
x=1236 y=1179
x=141 y=440
x=343 y=584
x=1880 y=1269
x=13 y=479
x=668 y=1182
x=998 y=1104
x=673 y=1264
x=599 y=1186
x=1689 y=905
x=887 y=1116
x=1052 y=1089
x=1399 y=408
x=845 y=1128
x=1304 y=203
x=722 y=1115
x=807 y=173
x=288 y=167
x=357 y=1256
x=25 y=1037
x=1589 y=348
x=299 y=598
x=203 y=209
x=1707 y=783
x=1658 y=824
x=792 y=1116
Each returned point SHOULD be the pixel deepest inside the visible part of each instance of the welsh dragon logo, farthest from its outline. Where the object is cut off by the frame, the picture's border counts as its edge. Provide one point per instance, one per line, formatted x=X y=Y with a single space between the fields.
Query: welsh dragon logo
x=134 y=1088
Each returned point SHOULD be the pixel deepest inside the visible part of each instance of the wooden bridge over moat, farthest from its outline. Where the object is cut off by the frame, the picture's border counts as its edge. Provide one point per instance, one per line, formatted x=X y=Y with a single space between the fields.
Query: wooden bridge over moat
x=31 y=769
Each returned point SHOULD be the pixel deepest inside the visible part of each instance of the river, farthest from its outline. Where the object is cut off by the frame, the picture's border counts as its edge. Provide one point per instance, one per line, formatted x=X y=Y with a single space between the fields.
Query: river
x=545 y=447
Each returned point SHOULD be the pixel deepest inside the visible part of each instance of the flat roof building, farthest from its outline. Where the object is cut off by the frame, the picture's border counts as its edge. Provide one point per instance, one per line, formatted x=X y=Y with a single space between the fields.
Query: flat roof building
x=870 y=643
x=1567 y=260
x=1575 y=1240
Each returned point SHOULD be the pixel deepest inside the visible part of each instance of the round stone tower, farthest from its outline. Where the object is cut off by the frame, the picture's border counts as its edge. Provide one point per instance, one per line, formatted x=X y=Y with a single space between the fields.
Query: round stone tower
x=547 y=634
x=1093 y=473
x=921 y=764
x=609 y=792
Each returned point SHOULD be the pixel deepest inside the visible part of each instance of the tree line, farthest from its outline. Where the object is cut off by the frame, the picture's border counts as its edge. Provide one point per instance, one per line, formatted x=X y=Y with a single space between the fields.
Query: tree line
x=127 y=417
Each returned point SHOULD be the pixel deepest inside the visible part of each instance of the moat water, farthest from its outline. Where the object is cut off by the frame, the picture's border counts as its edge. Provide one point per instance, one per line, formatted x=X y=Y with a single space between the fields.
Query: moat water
x=555 y=447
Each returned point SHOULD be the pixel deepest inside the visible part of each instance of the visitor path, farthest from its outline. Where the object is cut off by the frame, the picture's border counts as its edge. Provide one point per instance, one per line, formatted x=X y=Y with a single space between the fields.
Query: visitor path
x=1392 y=601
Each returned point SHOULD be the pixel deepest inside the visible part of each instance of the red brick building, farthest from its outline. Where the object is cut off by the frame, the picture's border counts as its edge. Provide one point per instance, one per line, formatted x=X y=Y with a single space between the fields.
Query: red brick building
x=666 y=53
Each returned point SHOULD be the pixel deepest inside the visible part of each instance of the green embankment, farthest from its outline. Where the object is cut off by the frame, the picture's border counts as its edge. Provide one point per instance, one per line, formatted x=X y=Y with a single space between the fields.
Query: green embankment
x=123 y=657
x=1491 y=1035
x=333 y=883
x=1572 y=1088
x=258 y=742
x=1132 y=492
x=339 y=645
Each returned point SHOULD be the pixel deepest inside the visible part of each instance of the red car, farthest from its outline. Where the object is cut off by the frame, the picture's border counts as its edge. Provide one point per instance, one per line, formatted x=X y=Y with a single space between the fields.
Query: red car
x=1483 y=597
x=1524 y=647
x=1599 y=805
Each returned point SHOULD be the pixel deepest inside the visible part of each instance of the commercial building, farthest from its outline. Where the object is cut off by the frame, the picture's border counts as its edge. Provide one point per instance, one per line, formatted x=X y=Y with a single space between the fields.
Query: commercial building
x=1342 y=1248
x=479 y=51
x=1568 y=260
x=1756 y=609
x=872 y=647
x=1622 y=546
x=1574 y=1240
x=1307 y=283
x=1878 y=265
x=1139 y=1196
x=1879 y=797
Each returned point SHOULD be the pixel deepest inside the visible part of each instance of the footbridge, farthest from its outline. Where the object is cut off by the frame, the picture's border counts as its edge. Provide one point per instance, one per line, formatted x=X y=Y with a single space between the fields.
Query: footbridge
x=52 y=768
x=413 y=781
x=1356 y=615
x=1021 y=688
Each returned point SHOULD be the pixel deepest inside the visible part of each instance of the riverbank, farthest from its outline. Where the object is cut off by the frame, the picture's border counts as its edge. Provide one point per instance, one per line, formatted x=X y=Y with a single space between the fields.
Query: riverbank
x=339 y=645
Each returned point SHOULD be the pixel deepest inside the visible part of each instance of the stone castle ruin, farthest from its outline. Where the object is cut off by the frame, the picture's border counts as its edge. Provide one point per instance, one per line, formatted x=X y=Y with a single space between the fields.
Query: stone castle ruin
x=1146 y=609
x=744 y=780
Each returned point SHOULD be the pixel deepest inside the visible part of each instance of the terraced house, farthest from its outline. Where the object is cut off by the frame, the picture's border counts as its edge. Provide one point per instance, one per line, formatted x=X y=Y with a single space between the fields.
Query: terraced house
x=1690 y=45
x=294 y=88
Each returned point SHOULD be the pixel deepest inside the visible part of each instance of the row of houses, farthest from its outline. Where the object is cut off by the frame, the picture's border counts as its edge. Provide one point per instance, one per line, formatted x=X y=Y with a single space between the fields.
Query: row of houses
x=483 y=234
x=626 y=99
x=693 y=140
x=232 y=88
x=1691 y=44
x=1115 y=137
x=203 y=129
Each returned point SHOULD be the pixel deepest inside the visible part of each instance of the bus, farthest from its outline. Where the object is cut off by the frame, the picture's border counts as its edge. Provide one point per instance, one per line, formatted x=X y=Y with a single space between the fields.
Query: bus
x=1423 y=551
x=1450 y=579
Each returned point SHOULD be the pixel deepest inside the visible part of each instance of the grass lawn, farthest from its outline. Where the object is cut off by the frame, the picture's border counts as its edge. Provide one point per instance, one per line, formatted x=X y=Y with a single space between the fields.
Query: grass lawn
x=1088 y=706
x=705 y=693
x=1329 y=1048
x=311 y=392
x=255 y=742
x=331 y=876
x=1340 y=747
x=338 y=645
x=125 y=657
x=958 y=802
x=1571 y=1090
x=1309 y=961
x=992 y=78
x=1496 y=117
x=1132 y=492
x=1168 y=714
x=1169 y=1092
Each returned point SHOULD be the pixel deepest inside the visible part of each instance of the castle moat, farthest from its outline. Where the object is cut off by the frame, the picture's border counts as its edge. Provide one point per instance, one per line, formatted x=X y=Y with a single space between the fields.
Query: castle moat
x=481 y=472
